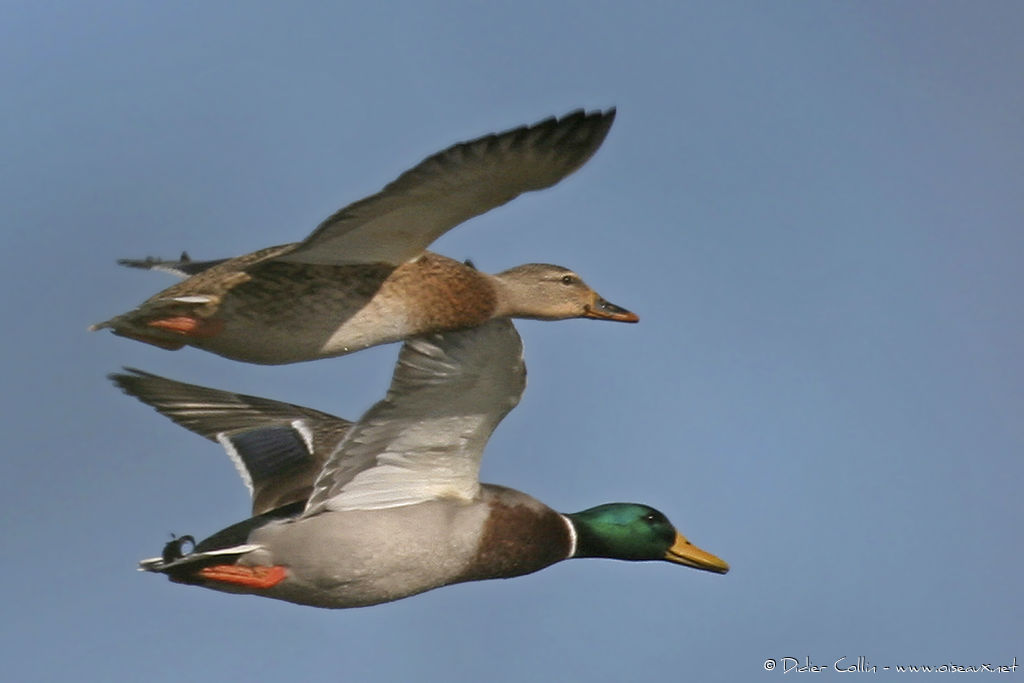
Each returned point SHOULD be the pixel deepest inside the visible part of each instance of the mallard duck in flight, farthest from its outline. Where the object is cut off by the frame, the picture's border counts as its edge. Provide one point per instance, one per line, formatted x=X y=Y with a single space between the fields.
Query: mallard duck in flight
x=364 y=276
x=397 y=507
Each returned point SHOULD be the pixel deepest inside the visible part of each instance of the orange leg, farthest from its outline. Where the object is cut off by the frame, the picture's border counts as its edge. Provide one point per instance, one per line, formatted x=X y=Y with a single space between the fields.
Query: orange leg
x=253 y=577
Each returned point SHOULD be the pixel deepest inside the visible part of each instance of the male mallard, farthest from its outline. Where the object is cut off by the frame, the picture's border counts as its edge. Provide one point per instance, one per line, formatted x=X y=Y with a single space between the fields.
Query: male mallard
x=397 y=508
x=364 y=277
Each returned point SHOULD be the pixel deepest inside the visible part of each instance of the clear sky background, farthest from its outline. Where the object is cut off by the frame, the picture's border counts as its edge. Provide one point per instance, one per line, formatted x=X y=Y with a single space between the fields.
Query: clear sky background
x=815 y=208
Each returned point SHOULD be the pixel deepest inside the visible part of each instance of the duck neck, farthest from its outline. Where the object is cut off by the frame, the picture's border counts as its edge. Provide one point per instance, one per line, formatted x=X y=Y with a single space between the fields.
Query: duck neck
x=585 y=541
x=574 y=537
x=511 y=301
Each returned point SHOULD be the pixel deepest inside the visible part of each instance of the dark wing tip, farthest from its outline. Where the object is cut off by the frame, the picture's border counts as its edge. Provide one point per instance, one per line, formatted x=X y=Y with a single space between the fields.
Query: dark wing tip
x=578 y=134
x=129 y=378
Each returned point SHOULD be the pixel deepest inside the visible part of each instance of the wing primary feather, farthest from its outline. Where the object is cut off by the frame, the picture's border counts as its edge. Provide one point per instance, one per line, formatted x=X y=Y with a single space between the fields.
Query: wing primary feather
x=467 y=179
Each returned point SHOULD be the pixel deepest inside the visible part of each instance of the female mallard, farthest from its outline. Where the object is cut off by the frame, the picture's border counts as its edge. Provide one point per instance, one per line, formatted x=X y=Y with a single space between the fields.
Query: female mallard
x=397 y=508
x=364 y=277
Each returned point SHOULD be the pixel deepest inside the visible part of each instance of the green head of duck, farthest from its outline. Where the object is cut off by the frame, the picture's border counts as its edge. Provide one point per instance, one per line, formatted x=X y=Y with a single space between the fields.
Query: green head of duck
x=631 y=531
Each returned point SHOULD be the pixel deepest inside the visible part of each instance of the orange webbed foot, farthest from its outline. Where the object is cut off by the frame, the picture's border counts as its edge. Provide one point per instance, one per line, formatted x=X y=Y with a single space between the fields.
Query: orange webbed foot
x=189 y=326
x=241 y=575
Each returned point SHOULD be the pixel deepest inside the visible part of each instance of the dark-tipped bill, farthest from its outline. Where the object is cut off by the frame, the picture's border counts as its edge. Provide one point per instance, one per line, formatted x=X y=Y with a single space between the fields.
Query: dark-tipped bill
x=606 y=310
x=686 y=553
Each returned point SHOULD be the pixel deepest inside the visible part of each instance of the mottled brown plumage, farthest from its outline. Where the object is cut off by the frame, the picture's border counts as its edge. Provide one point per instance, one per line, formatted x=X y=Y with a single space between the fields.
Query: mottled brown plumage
x=364 y=277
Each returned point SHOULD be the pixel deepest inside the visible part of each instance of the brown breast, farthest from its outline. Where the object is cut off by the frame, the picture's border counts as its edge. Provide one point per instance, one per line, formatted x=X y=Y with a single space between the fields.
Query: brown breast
x=521 y=536
x=447 y=294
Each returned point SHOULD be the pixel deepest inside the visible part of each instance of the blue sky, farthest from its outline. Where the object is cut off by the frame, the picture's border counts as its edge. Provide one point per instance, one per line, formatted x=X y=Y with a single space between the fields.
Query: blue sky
x=815 y=208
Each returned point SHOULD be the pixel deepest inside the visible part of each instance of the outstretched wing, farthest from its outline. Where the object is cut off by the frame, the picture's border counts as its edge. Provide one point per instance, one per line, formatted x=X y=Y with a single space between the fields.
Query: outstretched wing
x=465 y=180
x=426 y=438
x=278 y=448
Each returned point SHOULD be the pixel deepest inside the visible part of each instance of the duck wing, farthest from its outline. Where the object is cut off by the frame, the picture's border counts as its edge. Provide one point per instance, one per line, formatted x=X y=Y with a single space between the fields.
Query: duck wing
x=467 y=179
x=426 y=438
x=278 y=448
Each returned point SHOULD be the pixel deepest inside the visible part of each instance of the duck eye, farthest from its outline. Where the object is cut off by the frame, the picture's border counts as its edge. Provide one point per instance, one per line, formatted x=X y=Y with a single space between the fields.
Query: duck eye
x=568 y=280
